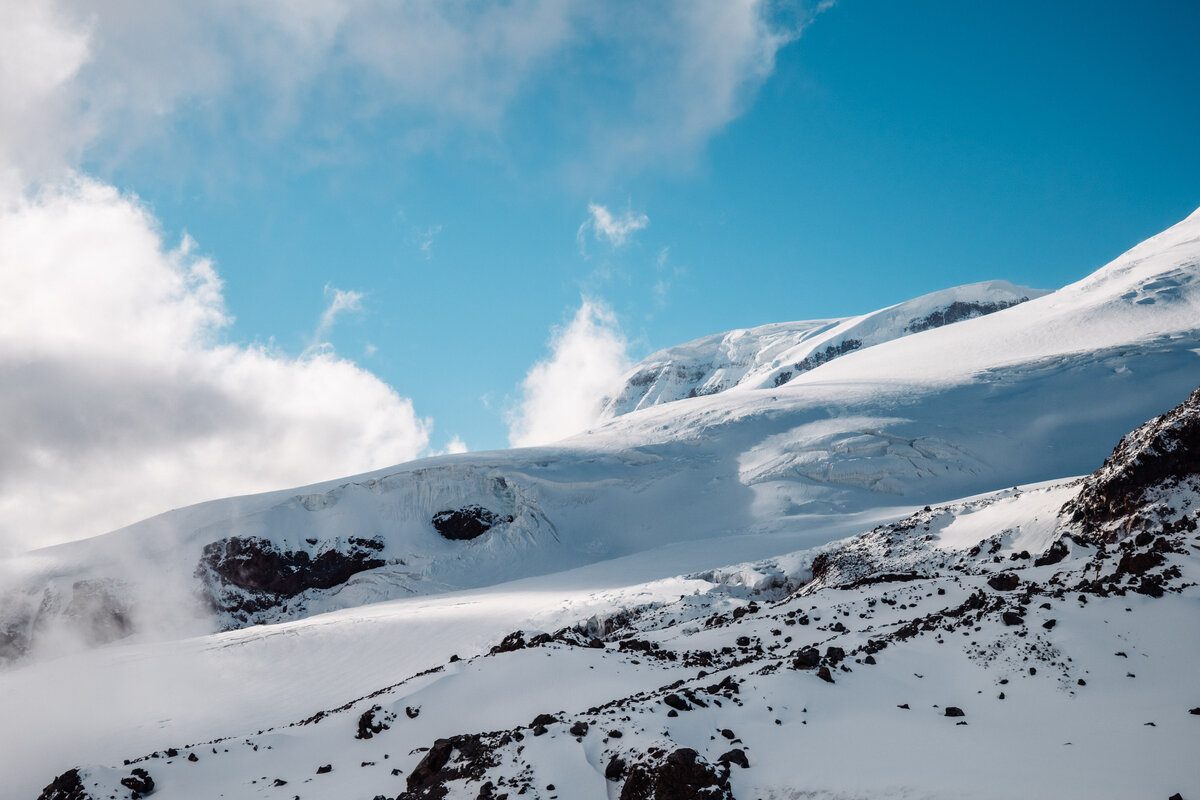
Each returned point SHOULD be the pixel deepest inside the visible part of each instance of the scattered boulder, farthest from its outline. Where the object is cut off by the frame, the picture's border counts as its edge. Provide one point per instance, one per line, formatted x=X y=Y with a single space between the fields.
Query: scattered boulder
x=955 y=711
x=735 y=756
x=615 y=769
x=139 y=783
x=824 y=674
x=676 y=702
x=579 y=729
x=368 y=725
x=325 y=769
x=1004 y=582
x=808 y=658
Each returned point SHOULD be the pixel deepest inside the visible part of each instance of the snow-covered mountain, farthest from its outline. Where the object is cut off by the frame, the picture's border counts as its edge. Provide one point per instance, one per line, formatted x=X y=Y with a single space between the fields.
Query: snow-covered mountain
x=589 y=581
x=771 y=355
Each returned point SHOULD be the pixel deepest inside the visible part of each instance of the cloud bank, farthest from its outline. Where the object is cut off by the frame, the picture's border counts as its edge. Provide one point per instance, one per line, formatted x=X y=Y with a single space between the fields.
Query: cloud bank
x=630 y=83
x=120 y=399
x=563 y=394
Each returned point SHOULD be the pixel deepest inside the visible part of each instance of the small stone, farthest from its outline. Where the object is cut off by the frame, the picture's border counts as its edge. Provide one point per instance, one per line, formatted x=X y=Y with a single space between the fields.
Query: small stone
x=325 y=769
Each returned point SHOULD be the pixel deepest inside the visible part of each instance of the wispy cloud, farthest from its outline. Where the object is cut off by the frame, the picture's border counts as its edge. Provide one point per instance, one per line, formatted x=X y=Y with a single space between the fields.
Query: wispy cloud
x=340 y=302
x=607 y=226
x=564 y=393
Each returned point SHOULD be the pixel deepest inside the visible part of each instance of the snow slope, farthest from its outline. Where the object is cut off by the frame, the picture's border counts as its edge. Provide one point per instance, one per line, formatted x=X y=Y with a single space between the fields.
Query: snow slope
x=113 y=645
x=991 y=647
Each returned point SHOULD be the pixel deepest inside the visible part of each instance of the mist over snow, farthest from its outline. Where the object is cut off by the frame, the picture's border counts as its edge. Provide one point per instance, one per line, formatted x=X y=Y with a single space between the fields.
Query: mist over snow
x=121 y=398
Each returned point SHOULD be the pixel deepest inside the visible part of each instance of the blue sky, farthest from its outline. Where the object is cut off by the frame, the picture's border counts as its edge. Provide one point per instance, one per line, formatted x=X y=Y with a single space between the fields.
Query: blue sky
x=894 y=149
x=430 y=171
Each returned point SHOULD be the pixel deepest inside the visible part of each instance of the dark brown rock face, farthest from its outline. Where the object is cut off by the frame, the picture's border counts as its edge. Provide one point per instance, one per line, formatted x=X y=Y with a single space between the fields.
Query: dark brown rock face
x=267 y=575
x=459 y=758
x=1165 y=449
x=682 y=775
x=468 y=522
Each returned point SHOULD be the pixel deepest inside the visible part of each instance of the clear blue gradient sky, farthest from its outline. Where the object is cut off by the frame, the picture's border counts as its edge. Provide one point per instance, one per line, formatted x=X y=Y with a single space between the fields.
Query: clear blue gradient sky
x=893 y=148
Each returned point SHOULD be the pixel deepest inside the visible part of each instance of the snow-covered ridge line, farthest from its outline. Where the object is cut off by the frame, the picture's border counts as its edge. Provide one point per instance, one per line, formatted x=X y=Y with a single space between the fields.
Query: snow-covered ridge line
x=771 y=355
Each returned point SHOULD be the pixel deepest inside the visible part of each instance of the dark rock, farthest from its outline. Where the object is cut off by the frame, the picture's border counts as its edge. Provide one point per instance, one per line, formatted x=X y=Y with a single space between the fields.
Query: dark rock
x=1004 y=582
x=615 y=768
x=468 y=522
x=1195 y=711
x=325 y=769
x=579 y=729
x=193 y=757
x=834 y=655
x=1054 y=554
x=1165 y=448
x=869 y=660
x=676 y=702
x=954 y=711
x=735 y=756
x=596 y=644
x=139 y=783
x=267 y=576
x=412 y=713
x=543 y=719
x=808 y=658
x=959 y=310
x=279 y=782
x=435 y=758
x=728 y=734
x=743 y=641
x=473 y=756
x=683 y=775
x=1050 y=623
x=368 y=726
x=68 y=786
x=824 y=674
x=1012 y=618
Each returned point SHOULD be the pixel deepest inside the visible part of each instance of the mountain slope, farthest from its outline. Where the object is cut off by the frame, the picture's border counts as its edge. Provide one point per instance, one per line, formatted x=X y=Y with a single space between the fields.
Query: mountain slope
x=998 y=645
x=1032 y=392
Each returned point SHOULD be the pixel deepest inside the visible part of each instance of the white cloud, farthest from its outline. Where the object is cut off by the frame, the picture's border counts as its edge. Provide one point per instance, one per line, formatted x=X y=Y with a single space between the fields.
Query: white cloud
x=564 y=393
x=456 y=445
x=339 y=303
x=615 y=228
x=74 y=74
x=120 y=399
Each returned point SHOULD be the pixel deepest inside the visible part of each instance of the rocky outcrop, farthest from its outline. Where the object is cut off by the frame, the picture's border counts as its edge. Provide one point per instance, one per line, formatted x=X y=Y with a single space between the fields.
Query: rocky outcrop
x=248 y=575
x=1164 y=451
x=959 y=311
x=682 y=775
x=468 y=522
x=68 y=786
